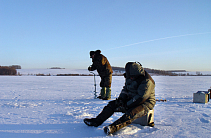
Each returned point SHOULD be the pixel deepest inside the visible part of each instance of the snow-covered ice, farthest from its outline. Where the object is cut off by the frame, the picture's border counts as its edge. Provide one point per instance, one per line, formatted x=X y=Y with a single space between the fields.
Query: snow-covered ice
x=55 y=106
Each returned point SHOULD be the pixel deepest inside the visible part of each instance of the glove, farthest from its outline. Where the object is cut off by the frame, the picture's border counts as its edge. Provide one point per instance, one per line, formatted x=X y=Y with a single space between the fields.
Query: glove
x=120 y=102
x=122 y=107
x=125 y=75
x=89 y=68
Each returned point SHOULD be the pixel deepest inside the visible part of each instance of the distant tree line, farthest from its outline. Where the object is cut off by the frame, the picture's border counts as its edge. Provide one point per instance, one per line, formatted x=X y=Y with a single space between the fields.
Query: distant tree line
x=56 y=68
x=74 y=75
x=16 y=66
x=4 y=70
x=158 y=72
x=118 y=68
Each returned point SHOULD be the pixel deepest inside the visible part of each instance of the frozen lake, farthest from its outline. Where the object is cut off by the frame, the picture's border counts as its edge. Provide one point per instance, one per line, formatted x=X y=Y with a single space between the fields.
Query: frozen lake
x=53 y=106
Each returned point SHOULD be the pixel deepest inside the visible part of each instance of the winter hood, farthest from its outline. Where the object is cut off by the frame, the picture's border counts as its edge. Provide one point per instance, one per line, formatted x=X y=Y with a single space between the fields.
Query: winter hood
x=134 y=69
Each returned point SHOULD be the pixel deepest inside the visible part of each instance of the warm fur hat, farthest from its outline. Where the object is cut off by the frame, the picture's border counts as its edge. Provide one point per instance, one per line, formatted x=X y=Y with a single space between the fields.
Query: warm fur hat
x=97 y=52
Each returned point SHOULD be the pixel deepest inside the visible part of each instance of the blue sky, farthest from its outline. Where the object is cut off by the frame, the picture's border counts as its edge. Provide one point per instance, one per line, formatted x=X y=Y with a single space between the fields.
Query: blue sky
x=160 y=34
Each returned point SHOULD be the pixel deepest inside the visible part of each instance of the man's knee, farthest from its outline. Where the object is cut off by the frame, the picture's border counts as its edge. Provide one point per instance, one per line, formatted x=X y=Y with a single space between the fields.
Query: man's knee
x=136 y=111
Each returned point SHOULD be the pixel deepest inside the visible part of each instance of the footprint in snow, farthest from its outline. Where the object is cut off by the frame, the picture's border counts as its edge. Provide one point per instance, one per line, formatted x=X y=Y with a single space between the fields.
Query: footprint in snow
x=204 y=120
x=205 y=115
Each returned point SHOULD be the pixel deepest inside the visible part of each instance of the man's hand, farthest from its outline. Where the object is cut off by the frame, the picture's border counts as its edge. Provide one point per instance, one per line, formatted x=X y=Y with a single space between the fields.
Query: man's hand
x=122 y=106
x=89 y=68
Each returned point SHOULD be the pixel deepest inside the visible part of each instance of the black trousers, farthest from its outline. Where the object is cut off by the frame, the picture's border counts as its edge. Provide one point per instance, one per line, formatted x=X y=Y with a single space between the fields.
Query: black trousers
x=128 y=117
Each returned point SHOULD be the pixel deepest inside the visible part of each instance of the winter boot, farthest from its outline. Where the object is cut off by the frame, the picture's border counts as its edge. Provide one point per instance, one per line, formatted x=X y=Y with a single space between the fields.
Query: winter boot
x=107 y=130
x=108 y=94
x=99 y=97
x=125 y=120
x=92 y=122
x=102 y=93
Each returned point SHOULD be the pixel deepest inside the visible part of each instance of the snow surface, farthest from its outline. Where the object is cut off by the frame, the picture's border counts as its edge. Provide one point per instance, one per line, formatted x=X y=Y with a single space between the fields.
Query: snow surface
x=55 y=106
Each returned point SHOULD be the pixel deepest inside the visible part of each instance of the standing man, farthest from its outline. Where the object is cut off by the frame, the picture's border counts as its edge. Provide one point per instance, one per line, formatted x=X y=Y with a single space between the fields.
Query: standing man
x=101 y=63
x=135 y=100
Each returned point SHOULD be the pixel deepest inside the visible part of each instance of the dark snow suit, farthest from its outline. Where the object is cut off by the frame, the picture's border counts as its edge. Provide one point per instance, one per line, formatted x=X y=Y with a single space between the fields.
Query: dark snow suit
x=103 y=67
x=135 y=100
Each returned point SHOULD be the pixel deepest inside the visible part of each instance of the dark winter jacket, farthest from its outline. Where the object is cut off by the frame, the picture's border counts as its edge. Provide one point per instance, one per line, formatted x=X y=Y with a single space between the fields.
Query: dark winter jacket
x=139 y=91
x=101 y=63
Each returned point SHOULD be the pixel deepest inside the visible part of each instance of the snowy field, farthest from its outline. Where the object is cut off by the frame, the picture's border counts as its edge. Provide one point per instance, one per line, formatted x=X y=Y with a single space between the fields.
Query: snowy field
x=55 y=106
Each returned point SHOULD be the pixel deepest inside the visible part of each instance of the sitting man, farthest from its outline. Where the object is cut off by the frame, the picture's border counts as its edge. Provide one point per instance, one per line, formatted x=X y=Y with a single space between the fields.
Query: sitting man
x=135 y=100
